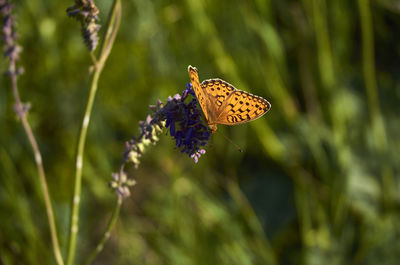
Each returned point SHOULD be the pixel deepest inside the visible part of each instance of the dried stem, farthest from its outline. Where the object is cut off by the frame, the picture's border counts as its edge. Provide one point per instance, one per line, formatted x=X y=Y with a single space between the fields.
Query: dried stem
x=22 y=114
x=12 y=51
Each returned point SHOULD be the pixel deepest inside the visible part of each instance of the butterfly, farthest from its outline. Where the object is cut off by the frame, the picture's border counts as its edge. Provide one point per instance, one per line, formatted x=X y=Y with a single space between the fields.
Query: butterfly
x=223 y=104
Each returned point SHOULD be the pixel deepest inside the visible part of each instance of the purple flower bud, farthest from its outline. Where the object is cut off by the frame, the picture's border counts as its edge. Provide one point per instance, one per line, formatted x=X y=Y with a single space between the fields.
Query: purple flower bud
x=9 y=37
x=87 y=13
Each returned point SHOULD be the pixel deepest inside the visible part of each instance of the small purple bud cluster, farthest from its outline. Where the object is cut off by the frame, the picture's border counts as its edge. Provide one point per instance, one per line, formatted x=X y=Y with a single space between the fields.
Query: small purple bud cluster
x=87 y=13
x=121 y=184
x=9 y=37
x=148 y=131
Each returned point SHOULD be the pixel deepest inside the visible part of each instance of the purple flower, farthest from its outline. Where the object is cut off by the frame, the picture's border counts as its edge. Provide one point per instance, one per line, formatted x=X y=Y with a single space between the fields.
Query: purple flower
x=185 y=126
x=185 y=123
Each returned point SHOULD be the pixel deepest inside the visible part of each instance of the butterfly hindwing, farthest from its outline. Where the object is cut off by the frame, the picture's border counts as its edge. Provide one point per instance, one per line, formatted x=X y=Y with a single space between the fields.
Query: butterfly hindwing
x=217 y=91
x=241 y=107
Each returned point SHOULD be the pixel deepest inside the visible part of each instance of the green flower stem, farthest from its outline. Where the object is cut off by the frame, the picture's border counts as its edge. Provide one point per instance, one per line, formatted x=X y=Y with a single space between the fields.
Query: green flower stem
x=376 y=118
x=323 y=45
x=370 y=74
x=106 y=234
x=106 y=45
x=21 y=112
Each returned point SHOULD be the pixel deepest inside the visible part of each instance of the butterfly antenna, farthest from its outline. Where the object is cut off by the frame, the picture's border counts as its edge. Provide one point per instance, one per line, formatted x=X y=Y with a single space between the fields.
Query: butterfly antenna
x=234 y=144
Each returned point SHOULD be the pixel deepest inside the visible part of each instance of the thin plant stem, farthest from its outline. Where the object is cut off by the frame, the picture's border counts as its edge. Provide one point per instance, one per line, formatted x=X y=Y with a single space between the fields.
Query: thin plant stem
x=106 y=234
x=368 y=57
x=106 y=45
x=22 y=114
x=323 y=44
x=370 y=74
x=381 y=144
x=12 y=50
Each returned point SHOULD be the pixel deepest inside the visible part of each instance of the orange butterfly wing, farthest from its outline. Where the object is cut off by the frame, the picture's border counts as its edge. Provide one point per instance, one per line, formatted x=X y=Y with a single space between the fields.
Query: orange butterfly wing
x=223 y=104
x=201 y=96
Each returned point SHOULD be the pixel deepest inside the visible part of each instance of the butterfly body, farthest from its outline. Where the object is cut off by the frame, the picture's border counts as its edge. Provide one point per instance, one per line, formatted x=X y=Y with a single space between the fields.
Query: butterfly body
x=223 y=104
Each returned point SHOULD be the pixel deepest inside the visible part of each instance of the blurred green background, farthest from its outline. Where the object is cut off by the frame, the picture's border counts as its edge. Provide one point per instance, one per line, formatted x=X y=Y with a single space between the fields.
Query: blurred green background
x=317 y=183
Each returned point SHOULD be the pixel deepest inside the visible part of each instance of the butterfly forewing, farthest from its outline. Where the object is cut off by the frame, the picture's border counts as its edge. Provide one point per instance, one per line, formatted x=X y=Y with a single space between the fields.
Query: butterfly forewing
x=201 y=96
